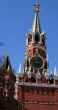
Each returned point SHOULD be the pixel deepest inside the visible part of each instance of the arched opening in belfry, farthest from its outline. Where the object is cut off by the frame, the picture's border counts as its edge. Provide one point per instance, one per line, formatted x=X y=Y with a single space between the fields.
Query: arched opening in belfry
x=36 y=38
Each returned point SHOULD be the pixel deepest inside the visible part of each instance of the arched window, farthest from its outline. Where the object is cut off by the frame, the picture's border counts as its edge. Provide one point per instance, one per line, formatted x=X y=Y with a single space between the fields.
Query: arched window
x=27 y=63
x=29 y=39
x=36 y=38
x=43 y=41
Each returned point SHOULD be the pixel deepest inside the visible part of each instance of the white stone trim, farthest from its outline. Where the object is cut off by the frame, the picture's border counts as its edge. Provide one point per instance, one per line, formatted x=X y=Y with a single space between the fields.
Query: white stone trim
x=36 y=46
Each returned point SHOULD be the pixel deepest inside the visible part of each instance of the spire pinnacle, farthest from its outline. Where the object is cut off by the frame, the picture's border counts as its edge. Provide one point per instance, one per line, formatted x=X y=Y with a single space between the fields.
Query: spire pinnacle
x=36 y=7
x=36 y=24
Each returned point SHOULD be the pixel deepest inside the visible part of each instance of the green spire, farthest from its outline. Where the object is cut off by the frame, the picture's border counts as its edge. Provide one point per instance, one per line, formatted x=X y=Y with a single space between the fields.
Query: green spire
x=36 y=24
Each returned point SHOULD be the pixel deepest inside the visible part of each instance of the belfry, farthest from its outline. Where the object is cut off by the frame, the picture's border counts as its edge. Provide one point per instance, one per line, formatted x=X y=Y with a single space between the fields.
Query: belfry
x=36 y=88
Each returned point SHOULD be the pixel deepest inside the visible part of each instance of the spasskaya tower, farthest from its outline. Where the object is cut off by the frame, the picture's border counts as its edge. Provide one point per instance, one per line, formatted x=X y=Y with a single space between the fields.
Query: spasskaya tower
x=35 y=58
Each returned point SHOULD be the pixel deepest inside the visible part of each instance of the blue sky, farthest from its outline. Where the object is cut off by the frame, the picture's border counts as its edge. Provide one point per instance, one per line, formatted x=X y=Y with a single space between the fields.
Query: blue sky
x=16 y=18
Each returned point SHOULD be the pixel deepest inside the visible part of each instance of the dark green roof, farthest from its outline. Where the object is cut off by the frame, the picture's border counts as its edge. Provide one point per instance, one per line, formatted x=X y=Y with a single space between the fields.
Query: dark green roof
x=6 y=63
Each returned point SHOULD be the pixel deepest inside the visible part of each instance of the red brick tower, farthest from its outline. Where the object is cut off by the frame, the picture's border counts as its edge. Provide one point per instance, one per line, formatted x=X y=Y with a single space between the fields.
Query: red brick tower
x=35 y=59
x=36 y=89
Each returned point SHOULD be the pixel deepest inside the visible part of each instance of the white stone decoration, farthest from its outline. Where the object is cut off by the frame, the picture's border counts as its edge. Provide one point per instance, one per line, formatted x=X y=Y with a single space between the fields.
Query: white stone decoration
x=19 y=72
x=8 y=68
x=25 y=69
x=55 y=73
x=47 y=57
x=20 y=68
x=29 y=73
x=38 y=75
x=47 y=75
x=17 y=78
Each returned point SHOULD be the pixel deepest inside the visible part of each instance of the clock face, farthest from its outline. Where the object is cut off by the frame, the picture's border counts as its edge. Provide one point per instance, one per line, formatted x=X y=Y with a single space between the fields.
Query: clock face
x=36 y=62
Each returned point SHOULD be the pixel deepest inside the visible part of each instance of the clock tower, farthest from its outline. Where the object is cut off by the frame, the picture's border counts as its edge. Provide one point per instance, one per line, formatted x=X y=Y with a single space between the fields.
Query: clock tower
x=35 y=57
x=36 y=88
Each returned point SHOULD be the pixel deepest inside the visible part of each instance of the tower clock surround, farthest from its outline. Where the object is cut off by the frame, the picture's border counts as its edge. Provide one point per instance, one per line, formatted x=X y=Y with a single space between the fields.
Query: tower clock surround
x=37 y=62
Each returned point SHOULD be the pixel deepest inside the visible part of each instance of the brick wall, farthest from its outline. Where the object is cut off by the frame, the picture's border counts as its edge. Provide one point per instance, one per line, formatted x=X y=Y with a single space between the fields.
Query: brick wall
x=38 y=98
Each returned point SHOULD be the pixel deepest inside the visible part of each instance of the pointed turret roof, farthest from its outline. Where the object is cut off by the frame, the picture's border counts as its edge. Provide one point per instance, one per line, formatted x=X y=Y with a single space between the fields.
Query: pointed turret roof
x=36 y=24
x=20 y=69
x=55 y=72
x=6 y=64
